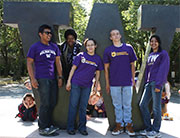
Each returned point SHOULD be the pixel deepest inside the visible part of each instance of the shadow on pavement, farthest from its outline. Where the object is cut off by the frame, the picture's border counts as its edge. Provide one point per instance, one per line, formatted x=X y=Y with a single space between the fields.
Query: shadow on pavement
x=27 y=123
x=92 y=134
x=13 y=91
x=175 y=98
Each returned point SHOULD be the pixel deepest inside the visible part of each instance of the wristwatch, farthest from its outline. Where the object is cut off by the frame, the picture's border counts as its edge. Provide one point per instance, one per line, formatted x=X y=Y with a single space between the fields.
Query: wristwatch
x=60 y=77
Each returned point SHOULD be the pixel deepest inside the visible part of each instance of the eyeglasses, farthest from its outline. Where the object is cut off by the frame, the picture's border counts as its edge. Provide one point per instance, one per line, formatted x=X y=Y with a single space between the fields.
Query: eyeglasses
x=46 y=32
x=90 y=45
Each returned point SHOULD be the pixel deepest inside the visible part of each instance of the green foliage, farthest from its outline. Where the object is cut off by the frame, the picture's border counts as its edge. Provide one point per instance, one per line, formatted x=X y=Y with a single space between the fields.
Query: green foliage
x=10 y=49
x=12 y=60
x=11 y=57
x=138 y=39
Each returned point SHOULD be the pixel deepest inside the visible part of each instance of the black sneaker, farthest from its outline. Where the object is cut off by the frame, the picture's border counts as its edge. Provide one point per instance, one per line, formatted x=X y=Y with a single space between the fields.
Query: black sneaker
x=85 y=133
x=71 y=132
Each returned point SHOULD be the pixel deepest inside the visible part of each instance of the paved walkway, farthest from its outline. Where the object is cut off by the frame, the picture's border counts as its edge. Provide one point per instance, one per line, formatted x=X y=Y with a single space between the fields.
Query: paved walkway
x=10 y=127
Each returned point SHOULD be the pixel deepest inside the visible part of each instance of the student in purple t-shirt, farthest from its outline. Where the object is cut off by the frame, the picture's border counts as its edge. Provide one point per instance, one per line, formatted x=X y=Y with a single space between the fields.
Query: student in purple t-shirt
x=119 y=74
x=86 y=66
x=157 y=69
x=43 y=55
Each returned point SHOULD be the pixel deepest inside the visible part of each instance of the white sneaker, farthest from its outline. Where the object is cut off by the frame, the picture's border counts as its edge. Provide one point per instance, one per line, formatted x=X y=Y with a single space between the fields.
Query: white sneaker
x=130 y=133
x=118 y=129
x=116 y=132
x=153 y=134
x=129 y=129
x=143 y=132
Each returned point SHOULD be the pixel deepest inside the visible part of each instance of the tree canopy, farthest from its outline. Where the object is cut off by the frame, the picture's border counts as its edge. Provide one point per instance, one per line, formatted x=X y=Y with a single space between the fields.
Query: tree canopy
x=12 y=61
x=139 y=39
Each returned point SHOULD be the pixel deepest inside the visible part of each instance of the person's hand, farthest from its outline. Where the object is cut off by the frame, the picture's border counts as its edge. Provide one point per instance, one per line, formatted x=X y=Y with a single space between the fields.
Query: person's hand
x=100 y=111
x=60 y=82
x=28 y=104
x=88 y=117
x=34 y=83
x=95 y=107
x=32 y=104
x=68 y=86
x=95 y=89
x=25 y=104
x=133 y=83
x=157 y=90
x=107 y=89
x=163 y=94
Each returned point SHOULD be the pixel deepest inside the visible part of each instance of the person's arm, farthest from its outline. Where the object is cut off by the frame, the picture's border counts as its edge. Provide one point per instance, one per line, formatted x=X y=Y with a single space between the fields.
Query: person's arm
x=21 y=109
x=24 y=103
x=167 y=89
x=106 y=71
x=162 y=72
x=59 y=70
x=30 y=69
x=68 y=85
x=31 y=105
x=133 y=72
x=97 y=80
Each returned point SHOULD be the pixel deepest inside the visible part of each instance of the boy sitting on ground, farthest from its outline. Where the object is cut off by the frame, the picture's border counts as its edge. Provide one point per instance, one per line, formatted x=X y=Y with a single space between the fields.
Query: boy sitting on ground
x=27 y=109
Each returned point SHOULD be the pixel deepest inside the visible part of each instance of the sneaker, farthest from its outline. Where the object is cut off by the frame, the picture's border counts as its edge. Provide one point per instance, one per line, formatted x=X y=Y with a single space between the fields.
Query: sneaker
x=84 y=132
x=129 y=129
x=142 y=132
x=167 y=118
x=118 y=129
x=153 y=134
x=54 y=127
x=46 y=131
x=71 y=132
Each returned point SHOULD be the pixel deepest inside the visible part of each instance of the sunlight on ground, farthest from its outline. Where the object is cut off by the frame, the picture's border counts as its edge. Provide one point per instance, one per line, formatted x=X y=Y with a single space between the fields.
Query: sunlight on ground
x=99 y=125
x=11 y=97
x=11 y=126
x=172 y=126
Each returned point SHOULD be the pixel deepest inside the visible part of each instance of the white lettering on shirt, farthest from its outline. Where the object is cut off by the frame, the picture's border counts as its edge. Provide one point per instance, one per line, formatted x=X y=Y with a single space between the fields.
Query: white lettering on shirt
x=48 y=53
x=152 y=58
x=83 y=60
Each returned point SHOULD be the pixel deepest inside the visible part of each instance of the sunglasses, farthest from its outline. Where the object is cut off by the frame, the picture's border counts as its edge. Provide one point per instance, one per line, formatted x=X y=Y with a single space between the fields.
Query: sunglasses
x=46 y=32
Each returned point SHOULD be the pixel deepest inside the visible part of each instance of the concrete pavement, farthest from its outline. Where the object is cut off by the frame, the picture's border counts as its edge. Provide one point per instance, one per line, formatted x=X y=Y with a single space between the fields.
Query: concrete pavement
x=11 y=127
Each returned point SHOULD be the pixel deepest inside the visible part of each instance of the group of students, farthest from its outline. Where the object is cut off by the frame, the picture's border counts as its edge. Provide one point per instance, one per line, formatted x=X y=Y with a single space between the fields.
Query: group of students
x=118 y=65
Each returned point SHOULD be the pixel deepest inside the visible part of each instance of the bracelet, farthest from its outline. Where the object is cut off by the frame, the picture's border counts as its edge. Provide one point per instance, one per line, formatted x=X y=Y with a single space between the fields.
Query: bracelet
x=60 y=77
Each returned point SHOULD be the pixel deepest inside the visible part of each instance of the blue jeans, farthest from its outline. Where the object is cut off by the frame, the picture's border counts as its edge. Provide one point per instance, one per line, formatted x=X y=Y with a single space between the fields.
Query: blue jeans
x=148 y=94
x=122 y=97
x=48 y=96
x=78 y=96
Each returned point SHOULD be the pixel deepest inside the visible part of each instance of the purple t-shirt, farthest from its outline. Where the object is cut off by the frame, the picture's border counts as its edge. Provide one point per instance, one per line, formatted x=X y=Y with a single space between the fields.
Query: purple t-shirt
x=86 y=68
x=119 y=59
x=44 y=58
x=157 y=68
